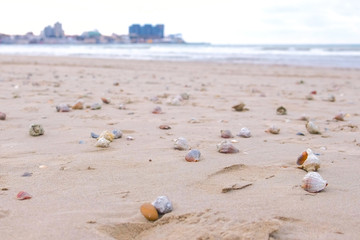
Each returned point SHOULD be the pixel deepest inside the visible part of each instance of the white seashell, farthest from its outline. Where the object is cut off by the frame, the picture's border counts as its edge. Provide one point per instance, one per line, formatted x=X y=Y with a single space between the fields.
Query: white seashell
x=312 y=128
x=107 y=135
x=244 y=132
x=117 y=133
x=176 y=101
x=102 y=142
x=163 y=204
x=226 y=147
x=62 y=108
x=226 y=134
x=181 y=144
x=309 y=161
x=36 y=130
x=313 y=182
x=273 y=130
x=193 y=155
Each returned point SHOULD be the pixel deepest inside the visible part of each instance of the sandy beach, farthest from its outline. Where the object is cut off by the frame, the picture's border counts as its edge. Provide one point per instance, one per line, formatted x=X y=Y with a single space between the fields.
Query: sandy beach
x=80 y=191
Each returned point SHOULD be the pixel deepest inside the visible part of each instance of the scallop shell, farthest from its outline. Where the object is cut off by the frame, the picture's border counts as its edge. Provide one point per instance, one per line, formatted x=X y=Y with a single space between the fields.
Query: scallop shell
x=281 y=111
x=102 y=142
x=157 y=110
x=239 y=107
x=244 y=132
x=226 y=147
x=310 y=162
x=62 y=108
x=107 y=135
x=117 y=133
x=2 y=116
x=226 y=134
x=313 y=182
x=273 y=130
x=163 y=204
x=23 y=195
x=339 y=117
x=312 y=128
x=193 y=155
x=36 y=130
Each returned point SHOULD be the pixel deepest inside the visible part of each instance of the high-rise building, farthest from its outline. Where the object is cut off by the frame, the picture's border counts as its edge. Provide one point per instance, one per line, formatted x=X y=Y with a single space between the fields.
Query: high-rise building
x=146 y=31
x=53 y=32
x=134 y=30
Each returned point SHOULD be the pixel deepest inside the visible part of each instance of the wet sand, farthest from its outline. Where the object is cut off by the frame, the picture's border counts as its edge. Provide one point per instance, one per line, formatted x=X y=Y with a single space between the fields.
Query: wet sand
x=80 y=191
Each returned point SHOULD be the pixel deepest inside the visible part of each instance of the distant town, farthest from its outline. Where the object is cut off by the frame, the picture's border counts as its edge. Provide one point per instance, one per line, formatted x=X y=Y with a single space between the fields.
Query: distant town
x=55 y=35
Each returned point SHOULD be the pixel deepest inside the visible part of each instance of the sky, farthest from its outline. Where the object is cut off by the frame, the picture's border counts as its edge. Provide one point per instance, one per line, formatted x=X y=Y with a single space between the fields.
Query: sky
x=217 y=22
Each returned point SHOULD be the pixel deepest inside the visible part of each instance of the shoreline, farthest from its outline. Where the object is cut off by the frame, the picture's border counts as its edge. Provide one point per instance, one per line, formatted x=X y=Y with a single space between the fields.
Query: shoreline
x=80 y=191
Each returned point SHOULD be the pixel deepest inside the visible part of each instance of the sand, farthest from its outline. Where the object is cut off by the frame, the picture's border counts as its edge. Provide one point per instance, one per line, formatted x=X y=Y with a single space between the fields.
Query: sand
x=80 y=191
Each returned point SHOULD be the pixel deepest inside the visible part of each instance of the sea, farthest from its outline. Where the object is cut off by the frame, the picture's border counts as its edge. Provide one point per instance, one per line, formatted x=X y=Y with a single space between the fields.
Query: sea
x=321 y=55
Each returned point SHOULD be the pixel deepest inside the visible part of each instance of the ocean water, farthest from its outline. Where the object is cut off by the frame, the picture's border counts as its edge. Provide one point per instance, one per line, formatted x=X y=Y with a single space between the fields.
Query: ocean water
x=341 y=56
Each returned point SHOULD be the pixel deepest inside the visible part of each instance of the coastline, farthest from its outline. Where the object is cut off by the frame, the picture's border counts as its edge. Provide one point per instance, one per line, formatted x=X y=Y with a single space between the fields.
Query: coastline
x=87 y=192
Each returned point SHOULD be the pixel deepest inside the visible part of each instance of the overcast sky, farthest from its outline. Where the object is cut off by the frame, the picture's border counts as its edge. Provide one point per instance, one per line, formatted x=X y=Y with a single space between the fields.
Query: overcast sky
x=221 y=21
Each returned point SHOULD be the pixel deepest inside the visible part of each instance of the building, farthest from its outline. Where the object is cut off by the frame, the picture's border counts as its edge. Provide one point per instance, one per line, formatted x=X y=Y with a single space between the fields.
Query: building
x=146 y=32
x=53 y=32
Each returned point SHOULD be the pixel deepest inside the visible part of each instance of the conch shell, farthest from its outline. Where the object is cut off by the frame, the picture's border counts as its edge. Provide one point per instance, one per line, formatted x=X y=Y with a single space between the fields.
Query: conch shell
x=308 y=161
x=226 y=147
x=312 y=128
x=244 y=132
x=313 y=182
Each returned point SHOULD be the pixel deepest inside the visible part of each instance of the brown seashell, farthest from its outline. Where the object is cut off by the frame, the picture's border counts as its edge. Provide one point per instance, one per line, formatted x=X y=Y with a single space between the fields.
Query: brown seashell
x=165 y=127
x=339 y=117
x=157 y=110
x=149 y=212
x=23 y=195
x=78 y=105
x=273 y=130
x=226 y=147
x=105 y=100
x=239 y=107
x=281 y=111
x=226 y=134
x=193 y=155
x=2 y=116
x=301 y=159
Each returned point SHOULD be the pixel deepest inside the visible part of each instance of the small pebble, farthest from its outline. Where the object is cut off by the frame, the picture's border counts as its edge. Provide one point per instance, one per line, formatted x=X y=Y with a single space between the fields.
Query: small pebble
x=27 y=174
x=149 y=212
x=157 y=110
x=163 y=204
x=62 y=108
x=117 y=133
x=81 y=142
x=95 y=106
x=300 y=134
x=94 y=135
x=129 y=138
x=164 y=127
x=36 y=130
x=105 y=100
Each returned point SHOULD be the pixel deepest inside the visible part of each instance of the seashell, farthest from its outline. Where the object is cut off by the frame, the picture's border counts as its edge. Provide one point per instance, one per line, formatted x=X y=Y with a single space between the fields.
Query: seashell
x=94 y=135
x=312 y=128
x=300 y=134
x=239 y=107
x=165 y=127
x=226 y=134
x=273 y=130
x=157 y=110
x=149 y=212
x=105 y=100
x=95 y=106
x=244 y=132
x=281 y=111
x=313 y=182
x=185 y=96
x=78 y=105
x=129 y=138
x=102 y=142
x=193 y=155
x=107 y=135
x=117 y=133
x=181 y=144
x=309 y=161
x=304 y=118
x=36 y=130
x=331 y=98
x=226 y=147
x=313 y=92
x=340 y=117
x=23 y=195
x=162 y=204
x=62 y=108
x=176 y=101
x=309 y=97
x=122 y=106
x=2 y=116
